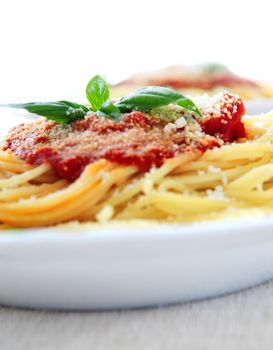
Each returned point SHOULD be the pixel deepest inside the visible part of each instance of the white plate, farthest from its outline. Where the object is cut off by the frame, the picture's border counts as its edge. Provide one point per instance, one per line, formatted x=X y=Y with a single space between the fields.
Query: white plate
x=140 y=265
x=259 y=106
x=131 y=266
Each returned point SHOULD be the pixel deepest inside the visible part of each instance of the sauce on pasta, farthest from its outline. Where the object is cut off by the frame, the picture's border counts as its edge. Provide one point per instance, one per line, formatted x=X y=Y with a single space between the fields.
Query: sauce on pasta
x=138 y=139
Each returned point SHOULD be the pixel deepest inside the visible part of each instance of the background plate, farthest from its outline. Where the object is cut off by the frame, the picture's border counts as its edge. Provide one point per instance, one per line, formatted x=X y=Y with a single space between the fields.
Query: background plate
x=258 y=106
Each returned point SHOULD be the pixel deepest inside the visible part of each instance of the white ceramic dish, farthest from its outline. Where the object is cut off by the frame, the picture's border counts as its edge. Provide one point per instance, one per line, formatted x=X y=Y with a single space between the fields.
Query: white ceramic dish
x=131 y=266
x=259 y=106
x=140 y=265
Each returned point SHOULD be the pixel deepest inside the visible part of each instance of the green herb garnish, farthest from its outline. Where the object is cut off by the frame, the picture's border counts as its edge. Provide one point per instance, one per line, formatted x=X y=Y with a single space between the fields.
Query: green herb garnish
x=98 y=94
x=61 y=111
x=110 y=110
x=151 y=97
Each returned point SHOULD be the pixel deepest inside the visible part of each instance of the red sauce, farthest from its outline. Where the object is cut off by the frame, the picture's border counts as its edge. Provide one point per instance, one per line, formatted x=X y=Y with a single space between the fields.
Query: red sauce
x=138 y=139
x=228 y=126
x=207 y=83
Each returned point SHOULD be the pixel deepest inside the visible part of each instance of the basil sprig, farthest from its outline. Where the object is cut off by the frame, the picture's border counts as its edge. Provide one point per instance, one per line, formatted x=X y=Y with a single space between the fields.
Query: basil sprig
x=110 y=110
x=63 y=112
x=98 y=94
x=151 y=97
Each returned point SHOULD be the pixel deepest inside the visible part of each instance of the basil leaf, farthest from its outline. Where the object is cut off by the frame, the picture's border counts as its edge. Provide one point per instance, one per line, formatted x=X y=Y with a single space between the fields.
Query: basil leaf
x=97 y=92
x=74 y=105
x=60 y=111
x=147 y=98
x=110 y=110
x=215 y=68
x=151 y=97
x=188 y=104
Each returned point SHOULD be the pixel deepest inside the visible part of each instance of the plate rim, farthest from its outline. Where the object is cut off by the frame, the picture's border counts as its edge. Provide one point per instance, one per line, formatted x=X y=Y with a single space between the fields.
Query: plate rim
x=155 y=232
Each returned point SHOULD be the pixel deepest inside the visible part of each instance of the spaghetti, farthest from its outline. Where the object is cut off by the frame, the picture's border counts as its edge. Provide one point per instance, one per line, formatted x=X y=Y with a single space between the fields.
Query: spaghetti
x=233 y=170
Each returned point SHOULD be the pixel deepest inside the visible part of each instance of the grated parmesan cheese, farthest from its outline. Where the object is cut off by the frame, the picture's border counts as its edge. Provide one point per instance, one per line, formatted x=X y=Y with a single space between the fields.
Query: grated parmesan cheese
x=231 y=209
x=216 y=105
x=224 y=180
x=24 y=200
x=214 y=170
x=169 y=127
x=208 y=104
x=106 y=213
x=147 y=186
x=180 y=123
x=260 y=187
x=103 y=174
x=217 y=193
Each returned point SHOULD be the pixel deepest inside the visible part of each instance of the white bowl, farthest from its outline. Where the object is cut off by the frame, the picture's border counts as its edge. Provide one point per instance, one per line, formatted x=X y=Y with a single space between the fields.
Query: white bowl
x=258 y=106
x=135 y=265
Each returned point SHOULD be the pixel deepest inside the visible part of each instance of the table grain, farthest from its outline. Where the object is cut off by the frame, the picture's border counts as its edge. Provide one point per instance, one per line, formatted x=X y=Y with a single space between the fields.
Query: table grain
x=243 y=320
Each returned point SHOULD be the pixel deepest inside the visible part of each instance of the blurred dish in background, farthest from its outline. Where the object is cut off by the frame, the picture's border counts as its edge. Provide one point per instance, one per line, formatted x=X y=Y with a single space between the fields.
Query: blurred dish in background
x=206 y=78
x=257 y=106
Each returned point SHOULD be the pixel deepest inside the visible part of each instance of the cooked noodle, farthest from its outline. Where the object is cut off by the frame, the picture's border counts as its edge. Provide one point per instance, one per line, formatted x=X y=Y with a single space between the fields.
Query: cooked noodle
x=190 y=187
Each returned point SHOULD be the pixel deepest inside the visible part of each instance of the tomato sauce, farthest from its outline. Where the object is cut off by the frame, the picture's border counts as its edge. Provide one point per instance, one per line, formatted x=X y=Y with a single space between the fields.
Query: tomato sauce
x=137 y=139
x=228 y=126
x=210 y=83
